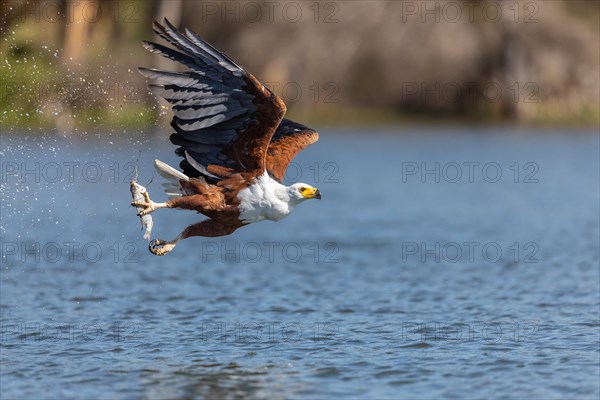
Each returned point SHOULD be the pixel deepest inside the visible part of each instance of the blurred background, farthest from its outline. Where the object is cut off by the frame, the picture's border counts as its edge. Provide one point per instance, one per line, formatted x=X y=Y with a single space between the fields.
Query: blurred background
x=454 y=253
x=72 y=64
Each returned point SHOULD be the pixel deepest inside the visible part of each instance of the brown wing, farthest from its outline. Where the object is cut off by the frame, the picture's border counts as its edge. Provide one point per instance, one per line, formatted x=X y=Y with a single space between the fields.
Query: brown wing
x=224 y=117
x=289 y=140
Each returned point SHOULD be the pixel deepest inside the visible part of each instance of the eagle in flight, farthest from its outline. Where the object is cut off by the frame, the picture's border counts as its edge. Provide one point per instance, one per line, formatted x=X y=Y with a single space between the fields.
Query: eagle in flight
x=234 y=143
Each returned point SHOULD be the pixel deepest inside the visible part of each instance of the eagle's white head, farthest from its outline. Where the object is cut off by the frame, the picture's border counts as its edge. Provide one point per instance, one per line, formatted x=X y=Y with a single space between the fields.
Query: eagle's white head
x=269 y=199
x=299 y=192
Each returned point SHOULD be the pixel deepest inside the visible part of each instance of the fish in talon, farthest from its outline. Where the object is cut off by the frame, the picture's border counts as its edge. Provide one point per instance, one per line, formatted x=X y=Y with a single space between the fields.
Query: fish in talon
x=140 y=195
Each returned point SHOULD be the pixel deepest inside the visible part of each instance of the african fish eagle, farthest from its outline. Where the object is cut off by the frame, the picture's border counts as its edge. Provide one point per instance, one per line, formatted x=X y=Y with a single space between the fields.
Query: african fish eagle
x=234 y=141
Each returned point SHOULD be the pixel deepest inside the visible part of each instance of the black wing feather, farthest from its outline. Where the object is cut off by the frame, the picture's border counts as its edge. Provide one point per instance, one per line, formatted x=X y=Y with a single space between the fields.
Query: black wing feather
x=211 y=102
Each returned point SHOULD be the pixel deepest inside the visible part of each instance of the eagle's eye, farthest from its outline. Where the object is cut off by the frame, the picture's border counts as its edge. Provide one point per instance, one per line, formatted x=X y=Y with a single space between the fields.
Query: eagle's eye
x=302 y=189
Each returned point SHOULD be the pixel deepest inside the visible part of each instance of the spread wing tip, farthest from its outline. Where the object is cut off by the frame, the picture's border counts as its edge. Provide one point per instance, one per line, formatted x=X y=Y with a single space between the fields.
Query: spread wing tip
x=223 y=115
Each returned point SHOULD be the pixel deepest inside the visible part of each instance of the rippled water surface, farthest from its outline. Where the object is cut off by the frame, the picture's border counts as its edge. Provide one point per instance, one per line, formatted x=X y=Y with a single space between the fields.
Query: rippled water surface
x=455 y=263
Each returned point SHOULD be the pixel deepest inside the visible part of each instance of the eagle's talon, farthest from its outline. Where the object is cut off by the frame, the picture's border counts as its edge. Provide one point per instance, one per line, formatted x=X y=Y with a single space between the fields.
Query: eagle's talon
x=160 y=247
x=147 y=205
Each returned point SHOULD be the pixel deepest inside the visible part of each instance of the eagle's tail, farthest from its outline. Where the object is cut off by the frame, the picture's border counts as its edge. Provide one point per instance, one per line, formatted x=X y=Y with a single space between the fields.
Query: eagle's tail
x=172 y=186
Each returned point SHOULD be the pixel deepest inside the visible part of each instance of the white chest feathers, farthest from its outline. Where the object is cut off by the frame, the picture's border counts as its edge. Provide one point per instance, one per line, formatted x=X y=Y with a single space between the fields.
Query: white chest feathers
x=265 y=199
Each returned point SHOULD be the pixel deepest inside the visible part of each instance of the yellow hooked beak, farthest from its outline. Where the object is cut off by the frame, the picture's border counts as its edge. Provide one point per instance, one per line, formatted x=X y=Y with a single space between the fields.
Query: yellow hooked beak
x=311 y=193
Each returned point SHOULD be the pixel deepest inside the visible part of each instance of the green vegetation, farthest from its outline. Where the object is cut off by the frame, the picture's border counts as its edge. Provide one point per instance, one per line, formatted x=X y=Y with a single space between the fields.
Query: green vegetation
x=376 y=67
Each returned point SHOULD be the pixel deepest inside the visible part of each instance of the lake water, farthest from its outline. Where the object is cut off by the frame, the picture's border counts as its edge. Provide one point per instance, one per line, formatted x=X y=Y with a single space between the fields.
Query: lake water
x=452 y=262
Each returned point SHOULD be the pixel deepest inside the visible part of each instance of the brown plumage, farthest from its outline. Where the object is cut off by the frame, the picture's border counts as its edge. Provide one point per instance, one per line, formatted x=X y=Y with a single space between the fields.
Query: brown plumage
x=234 y=141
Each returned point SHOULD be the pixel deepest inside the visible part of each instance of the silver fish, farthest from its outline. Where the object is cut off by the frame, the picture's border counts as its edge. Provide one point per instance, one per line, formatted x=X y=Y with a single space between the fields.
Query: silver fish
x=137 y=193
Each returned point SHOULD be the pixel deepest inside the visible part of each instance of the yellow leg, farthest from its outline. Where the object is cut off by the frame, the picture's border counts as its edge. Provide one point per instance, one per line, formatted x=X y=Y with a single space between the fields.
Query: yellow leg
x=161 y=247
